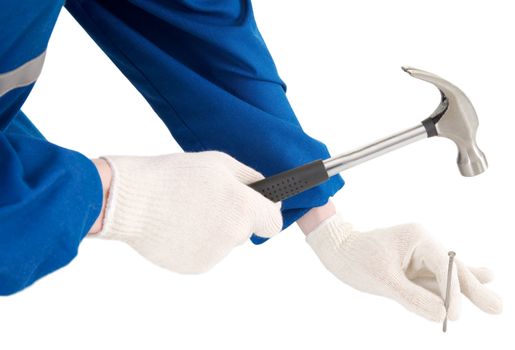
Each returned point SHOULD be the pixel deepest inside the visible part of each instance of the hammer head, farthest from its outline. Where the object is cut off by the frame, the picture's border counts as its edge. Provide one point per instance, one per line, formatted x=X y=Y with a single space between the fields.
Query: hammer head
x=455 y=119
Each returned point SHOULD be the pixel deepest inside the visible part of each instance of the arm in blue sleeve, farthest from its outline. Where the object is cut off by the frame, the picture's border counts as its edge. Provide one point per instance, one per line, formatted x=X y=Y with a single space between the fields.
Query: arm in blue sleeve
x=205 y=69
x=49 y=198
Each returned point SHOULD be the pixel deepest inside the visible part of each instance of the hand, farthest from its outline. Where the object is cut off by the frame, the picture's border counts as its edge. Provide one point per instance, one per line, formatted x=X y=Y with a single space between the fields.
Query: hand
x=185 y=212
x=402 y=263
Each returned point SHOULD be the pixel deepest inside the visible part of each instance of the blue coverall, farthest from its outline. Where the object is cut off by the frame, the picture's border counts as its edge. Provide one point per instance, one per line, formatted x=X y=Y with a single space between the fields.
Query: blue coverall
x=202 y=66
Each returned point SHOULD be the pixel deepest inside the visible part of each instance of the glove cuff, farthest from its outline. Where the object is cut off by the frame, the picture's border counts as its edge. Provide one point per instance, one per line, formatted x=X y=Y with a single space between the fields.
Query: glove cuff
x=131 y=201
x=331 y=233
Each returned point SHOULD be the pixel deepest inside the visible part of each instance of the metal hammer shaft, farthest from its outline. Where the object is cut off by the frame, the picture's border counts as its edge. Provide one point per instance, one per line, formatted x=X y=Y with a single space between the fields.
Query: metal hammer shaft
x=289 y=183
x=348 y=160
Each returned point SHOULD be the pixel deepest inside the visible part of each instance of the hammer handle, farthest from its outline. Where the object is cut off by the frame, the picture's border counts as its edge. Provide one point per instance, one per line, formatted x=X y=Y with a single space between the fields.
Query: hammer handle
x=289 y=183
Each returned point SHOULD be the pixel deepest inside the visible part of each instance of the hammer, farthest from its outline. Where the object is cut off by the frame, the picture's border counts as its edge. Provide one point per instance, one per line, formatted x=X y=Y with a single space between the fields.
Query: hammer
x=454 y=118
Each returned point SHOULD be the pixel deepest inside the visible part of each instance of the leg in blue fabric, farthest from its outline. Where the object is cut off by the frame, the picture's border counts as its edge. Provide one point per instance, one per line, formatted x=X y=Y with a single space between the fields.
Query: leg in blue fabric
x=206 y=71
x=49 y=196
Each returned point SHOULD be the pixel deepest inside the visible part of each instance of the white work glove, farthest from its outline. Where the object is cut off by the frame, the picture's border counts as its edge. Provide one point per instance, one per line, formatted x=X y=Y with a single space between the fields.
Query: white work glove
x=402 y=263
x=185 y=212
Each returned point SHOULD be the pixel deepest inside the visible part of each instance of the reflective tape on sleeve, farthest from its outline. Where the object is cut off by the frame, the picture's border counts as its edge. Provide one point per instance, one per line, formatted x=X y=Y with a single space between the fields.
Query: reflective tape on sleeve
x=24 y=75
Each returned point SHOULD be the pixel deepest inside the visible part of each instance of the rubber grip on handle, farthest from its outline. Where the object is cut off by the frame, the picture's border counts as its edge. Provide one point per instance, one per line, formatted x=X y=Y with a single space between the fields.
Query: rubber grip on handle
x=289 y=183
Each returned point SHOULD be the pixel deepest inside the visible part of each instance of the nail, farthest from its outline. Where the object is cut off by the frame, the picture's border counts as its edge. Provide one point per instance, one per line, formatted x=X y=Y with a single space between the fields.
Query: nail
x=448 y=290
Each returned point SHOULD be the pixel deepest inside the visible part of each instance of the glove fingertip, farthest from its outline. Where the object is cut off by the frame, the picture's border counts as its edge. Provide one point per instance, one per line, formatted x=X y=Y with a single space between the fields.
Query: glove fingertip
x=271 y=223
x=483 y=274
x=487 y=301
x=495 y=306
x=454 y=310
x=419 y=300
x=270 y=227
x=478 y=293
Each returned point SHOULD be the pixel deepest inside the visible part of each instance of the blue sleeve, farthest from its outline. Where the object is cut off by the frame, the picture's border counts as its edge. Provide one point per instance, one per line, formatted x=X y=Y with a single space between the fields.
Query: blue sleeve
x=205 y=69
x=49 y=198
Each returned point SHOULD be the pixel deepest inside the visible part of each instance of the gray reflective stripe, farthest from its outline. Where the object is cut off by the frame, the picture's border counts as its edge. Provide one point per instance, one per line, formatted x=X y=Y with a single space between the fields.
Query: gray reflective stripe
x=24 y=75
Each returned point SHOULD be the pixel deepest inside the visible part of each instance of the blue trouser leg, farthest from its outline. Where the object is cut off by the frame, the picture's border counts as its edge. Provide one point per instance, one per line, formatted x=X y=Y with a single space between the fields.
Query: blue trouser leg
x=49 y=196
x=205 y=69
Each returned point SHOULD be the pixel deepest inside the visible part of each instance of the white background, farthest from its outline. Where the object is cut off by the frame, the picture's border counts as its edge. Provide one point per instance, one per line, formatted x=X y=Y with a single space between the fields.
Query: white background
x=341 y=61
